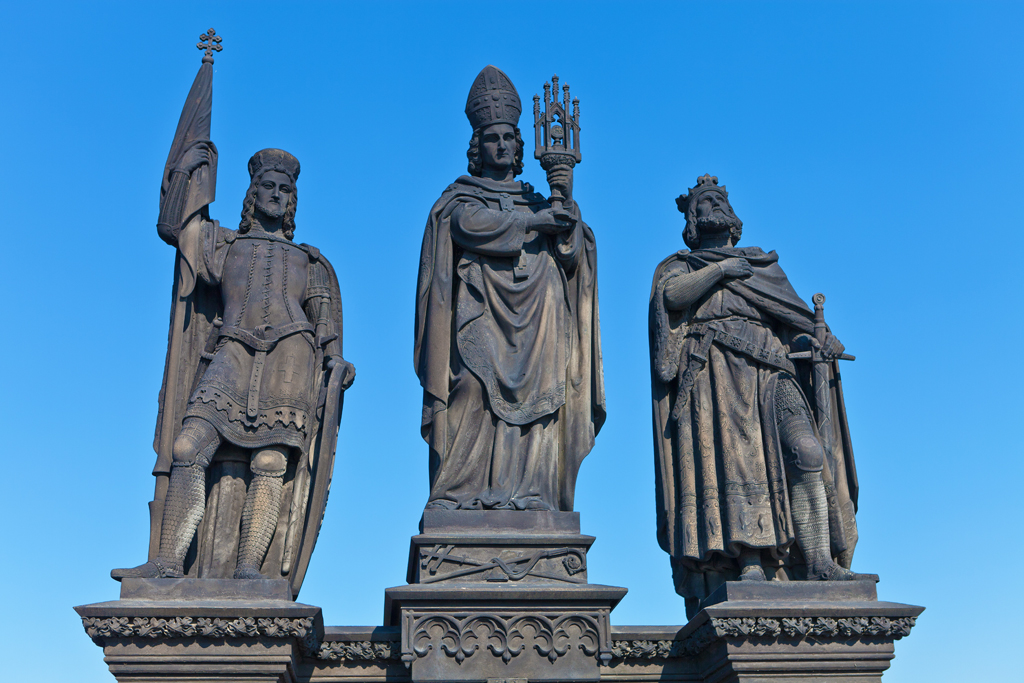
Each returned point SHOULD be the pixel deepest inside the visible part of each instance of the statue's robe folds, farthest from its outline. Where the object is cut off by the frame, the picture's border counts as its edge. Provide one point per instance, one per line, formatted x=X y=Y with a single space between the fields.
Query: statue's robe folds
x=254 y=284
x=507 y=350
x=719 y=467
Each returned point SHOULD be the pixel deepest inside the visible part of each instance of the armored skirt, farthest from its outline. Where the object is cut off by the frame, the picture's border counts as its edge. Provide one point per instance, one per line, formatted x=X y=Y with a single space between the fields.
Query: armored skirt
x=283 y=401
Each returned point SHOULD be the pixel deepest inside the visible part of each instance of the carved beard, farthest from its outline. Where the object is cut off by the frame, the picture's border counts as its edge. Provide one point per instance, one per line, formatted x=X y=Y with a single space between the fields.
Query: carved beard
x=717 y=223
x=273 y=211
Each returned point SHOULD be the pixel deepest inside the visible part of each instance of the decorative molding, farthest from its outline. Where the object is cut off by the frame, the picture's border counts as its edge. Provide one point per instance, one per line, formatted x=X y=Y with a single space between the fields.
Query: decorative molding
x=441 y=556
x=100 y=628
x=811 y=628
x=361 y=650
x=505 y=637
x=664 y=649
x=815 y=627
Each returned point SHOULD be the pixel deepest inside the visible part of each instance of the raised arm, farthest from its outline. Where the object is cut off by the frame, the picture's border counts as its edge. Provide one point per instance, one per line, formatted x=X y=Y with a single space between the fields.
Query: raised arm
x=172 y=204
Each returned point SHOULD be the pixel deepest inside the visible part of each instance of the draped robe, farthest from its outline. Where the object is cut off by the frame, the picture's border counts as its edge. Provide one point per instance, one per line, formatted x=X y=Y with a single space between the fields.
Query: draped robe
x=507 y=350
x=720 y=475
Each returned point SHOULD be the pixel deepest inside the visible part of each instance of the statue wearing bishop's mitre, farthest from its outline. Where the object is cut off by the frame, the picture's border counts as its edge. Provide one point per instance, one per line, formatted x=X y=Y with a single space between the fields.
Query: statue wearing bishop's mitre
x=507 y=335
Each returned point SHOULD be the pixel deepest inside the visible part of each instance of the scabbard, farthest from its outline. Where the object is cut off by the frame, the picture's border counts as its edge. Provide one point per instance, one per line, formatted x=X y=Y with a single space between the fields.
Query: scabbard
x=696 y=362
x=255 y=380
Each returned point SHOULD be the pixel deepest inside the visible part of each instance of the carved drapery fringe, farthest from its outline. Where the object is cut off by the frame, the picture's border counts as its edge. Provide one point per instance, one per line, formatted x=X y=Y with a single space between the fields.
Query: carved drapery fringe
x=271 y=414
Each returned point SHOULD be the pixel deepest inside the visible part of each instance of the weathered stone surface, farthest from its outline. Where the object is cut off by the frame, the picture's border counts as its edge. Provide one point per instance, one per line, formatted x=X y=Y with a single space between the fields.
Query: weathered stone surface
x=250 y=590
x=532 y=522
x=172 y=630
x=481 y=631
x=828 y=631
x=793 y=592
x=254 y=375
x=754 y=461
x=507 y=346
x=501 y=594
x=499 y=545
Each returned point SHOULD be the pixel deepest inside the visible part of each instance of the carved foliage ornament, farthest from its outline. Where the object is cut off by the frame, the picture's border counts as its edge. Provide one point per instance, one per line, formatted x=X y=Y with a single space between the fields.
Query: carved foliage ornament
x=817 y=628
x=99 y=628
x=362 y=650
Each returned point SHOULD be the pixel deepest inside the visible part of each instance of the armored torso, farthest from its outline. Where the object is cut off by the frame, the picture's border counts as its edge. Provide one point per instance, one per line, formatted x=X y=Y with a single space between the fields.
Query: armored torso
x=258 y=389
x=263 y=282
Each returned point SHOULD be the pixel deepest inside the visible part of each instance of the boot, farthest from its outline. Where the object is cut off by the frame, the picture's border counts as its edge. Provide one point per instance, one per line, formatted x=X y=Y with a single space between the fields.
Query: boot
x=810 y=521
x=259 y=520
x=183 y=510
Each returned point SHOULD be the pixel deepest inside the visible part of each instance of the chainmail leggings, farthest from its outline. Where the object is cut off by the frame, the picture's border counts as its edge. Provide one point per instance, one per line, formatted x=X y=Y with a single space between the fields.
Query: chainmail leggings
x=804 y=458
x=262 y=507
x=186 y=491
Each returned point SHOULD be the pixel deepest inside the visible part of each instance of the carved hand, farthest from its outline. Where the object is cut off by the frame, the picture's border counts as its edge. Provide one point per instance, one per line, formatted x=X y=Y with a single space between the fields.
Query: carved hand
x=347 y=370
x=560 y=177
x=194 y=158
x=832 y=348
x=736 y=267
x=548 y=223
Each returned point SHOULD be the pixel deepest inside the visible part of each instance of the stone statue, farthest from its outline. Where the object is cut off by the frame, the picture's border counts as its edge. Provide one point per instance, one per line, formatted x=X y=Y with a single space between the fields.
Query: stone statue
x=254 y=375
x=507 y=334
x=748 y=485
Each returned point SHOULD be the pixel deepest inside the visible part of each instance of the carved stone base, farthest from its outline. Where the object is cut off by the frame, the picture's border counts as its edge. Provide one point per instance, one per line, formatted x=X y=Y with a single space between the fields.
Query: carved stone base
x=176 y=630
x=478 y=632
x=774 y=631
x=209 y=630
x=501 y=594
x=499 y=546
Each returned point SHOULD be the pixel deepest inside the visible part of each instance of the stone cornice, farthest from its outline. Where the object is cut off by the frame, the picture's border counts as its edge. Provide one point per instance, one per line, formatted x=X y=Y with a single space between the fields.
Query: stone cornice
x=791 y=628
x=302 y=628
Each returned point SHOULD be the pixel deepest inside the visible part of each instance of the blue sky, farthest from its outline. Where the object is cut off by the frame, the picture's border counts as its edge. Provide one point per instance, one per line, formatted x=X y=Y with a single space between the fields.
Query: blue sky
x=876 y=146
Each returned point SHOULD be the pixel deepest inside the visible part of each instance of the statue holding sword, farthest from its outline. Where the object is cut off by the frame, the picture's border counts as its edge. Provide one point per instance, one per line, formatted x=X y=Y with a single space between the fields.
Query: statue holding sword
x=754 y=465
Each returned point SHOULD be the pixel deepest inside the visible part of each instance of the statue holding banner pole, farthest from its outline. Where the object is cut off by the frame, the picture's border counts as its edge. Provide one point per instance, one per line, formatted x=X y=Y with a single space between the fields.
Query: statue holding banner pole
x=254 y=375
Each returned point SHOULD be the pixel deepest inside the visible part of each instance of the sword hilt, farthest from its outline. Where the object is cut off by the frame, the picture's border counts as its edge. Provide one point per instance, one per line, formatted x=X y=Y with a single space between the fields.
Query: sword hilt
x=818 y=338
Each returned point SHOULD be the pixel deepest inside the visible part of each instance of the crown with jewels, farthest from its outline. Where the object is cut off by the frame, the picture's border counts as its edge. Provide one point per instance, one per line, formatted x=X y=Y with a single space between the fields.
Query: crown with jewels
x=493 y=99
x=705 y=183
x=274 y=160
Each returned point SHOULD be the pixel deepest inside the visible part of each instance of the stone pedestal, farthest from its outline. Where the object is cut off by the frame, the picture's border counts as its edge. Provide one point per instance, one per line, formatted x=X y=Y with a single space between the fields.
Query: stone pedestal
x=525 y=612
x=501 y=595
x=176 y=630
x=778 y=632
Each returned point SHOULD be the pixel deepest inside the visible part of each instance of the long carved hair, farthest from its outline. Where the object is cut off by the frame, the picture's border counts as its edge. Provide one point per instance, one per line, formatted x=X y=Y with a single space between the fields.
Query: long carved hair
x=249 y=208
x=476 y=166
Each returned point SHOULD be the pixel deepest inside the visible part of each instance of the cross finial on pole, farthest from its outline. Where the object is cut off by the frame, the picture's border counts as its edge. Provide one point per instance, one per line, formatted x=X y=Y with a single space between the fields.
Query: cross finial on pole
x=210 y=42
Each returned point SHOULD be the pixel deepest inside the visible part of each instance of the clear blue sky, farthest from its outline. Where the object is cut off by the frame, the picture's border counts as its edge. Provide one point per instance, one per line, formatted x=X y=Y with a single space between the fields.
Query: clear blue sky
x=877 y=147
